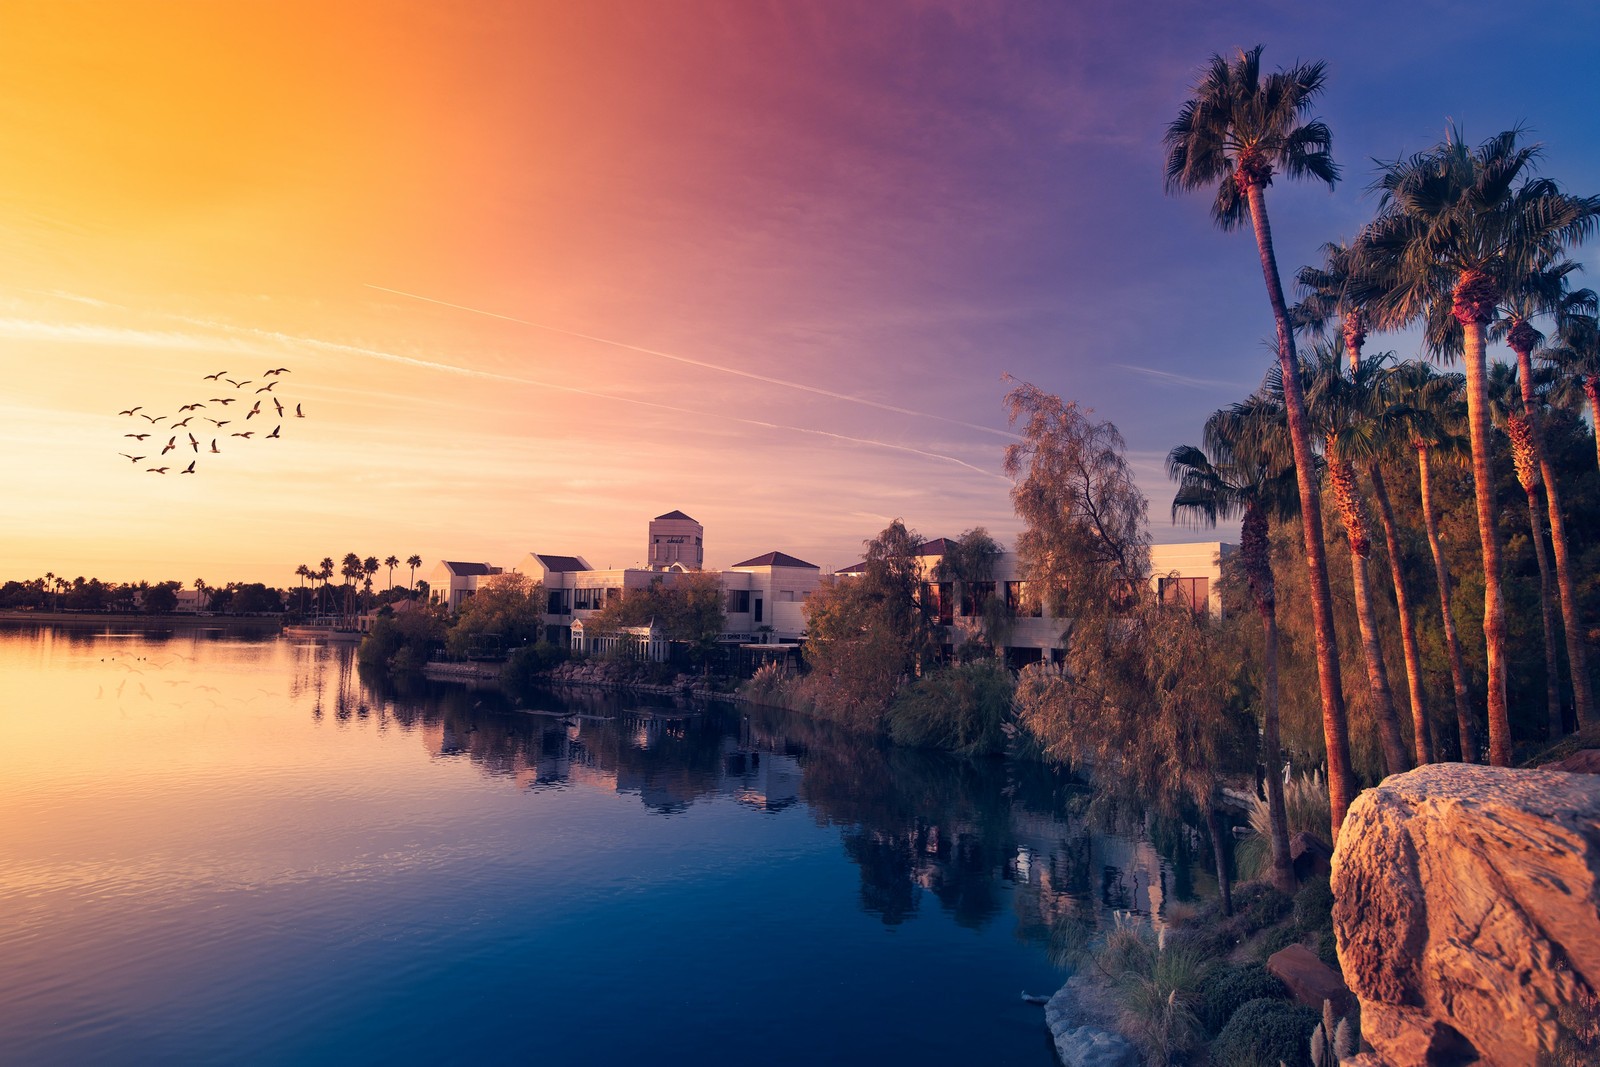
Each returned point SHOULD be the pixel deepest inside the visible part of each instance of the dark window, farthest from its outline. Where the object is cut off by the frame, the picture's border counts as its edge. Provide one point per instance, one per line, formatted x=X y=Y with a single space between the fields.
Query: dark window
x=1021 y=601
x=1190 y=592
x=738 y=601
x=974 y=595
x=758 y=609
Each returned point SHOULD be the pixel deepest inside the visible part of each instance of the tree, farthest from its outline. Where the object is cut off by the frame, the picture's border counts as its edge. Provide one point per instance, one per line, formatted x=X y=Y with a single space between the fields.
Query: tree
x=1455 y=228
x=1237 y=129
x=507 y=610
x=325 y=572
x=161 y=598
x=1578 y=359
x=1431 y=412
x=350 y=570
x=369 y=568
x=968 y=566
x=413 y=561
x=391 y=562
x=1252 y=484
x=688 y=608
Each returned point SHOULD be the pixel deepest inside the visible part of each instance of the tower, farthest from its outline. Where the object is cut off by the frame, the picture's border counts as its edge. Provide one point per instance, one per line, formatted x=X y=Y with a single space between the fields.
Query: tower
x=675 y=538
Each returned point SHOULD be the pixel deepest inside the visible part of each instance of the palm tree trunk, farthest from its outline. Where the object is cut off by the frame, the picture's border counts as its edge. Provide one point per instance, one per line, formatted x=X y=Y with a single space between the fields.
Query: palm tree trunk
x=1552 y=670
x=1219 y=856
x=1571 y=613
x=1256 y=550
x=1383 y=710
x=1467 y=735
x=1335 y=722
x=1591 y=389
x=1421 y=726
x=1494 y=620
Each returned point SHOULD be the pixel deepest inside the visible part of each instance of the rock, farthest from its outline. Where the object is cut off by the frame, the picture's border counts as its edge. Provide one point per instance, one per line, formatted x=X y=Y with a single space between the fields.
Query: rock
x=1310 y=854
x=1467 y=911
x=1072 y=1015
x=1310 y=981
x=1583 y=761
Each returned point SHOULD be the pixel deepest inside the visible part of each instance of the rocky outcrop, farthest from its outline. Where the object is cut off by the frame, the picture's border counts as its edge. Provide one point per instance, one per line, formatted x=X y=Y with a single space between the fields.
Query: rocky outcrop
x=1467 y=912
x=1308 y=979
x=1080 y=1027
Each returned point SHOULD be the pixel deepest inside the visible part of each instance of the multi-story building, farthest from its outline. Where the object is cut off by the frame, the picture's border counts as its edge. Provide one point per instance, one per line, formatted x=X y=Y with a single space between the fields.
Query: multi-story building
x=451 y=583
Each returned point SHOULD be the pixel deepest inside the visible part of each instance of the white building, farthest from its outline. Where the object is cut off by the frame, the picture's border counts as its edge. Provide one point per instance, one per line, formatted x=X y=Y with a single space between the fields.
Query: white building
x=676 y=540
x=452 y=582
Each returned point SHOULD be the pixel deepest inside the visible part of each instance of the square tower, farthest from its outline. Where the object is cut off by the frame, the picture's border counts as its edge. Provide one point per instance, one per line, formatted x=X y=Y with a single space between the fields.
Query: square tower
x=676 y=539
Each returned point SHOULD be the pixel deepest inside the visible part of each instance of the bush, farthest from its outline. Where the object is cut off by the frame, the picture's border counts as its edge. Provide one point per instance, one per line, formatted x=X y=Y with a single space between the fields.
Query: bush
x=1265 y=1032
x=1234 y=987
x=524 y=666
x=961 y=709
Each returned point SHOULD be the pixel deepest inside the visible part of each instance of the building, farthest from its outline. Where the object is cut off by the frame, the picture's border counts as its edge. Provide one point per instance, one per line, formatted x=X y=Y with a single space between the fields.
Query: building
x=451 y=583
x=676 y=540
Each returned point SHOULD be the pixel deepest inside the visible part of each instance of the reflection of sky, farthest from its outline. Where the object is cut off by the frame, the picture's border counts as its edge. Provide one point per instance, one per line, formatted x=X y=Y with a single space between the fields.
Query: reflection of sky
x=196 y=864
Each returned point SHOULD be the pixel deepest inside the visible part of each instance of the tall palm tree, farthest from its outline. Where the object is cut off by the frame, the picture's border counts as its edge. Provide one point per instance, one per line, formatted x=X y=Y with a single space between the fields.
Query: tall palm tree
x=1342 y=409
x=369 y=567
x=350 y=570
x=1506 y=408
x=1578 y=359
x=391 y=562
x=1236 y=130
x=1455 y=228
x=325 y=572
x=1545 y=290
x=1223 y=486
x=1432 y=411
x=302 y=572
x=413 y=561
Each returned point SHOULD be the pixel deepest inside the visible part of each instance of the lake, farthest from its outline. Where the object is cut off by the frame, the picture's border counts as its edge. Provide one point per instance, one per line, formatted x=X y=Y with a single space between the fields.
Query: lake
x=226 y=848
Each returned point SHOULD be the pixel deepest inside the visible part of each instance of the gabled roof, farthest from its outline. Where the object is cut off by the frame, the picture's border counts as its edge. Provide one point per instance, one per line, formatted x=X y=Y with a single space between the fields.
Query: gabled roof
x=562 y=564
x=937 y=547
x=777 y=559
x=464 y=570
x=854 y=568
x=672 y=515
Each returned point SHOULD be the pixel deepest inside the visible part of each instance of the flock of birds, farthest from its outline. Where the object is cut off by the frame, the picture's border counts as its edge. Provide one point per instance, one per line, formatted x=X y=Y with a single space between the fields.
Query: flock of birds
x=177 y=441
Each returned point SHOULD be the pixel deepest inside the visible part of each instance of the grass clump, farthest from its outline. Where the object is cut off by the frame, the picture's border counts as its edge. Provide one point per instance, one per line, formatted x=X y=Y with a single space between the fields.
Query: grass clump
x=1265 y=1033
x=1305 y=802
x=1158 y=985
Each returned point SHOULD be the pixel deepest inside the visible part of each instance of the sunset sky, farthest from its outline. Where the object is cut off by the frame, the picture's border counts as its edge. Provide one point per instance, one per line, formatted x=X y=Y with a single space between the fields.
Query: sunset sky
x=543 y=270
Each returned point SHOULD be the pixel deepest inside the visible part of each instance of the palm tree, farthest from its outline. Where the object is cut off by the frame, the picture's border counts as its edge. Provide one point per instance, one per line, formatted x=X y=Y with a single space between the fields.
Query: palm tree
x=325 y=572
x=1506 y=407
x=1578 y=359
x=302 y=572
x=413 y=561
x=1223 y=486
x=200 y=587
x=1342 y=410
x=1237 y=128
x=351 y=570
x=1545 y=290
x=1454 y=230
x=391 y=562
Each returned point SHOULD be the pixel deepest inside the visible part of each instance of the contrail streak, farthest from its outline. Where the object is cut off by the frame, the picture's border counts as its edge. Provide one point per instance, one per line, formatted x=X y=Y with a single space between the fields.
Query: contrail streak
x=701 y=363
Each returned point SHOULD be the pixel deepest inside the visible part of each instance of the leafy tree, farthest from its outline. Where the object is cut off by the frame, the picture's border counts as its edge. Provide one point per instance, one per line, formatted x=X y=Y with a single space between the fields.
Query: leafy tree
x=968 y=565
x=161 y=598
x=688 y=608
x=1456 y=228
x=506 y=607
x=1235 y=132
x=255 y=598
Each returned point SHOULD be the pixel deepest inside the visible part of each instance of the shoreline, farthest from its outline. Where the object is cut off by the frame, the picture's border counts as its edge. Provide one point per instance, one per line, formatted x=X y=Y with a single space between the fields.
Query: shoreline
x=140 y=619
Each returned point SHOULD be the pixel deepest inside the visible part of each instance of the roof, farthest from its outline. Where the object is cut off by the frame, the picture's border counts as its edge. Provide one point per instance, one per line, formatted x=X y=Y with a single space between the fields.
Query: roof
x=463 y=570
x=937 y=547
x=777 y=559
x=562 y=564
x=854 y=568
x=672 y=515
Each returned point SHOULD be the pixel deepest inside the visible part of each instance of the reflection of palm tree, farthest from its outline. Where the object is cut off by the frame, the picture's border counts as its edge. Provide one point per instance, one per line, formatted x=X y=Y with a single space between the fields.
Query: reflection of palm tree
x=1253 y=484
x=1454 y=230
x=1233 y=133
x=413 y=561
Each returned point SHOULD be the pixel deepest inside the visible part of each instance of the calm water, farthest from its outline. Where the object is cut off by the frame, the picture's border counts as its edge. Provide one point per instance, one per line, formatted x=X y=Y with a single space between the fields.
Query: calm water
x=226 y=849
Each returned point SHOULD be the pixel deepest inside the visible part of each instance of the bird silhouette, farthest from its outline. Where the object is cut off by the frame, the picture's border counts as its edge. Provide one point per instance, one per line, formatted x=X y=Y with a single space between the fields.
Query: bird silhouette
x=246 y=435
x=153 y=419
x=214 y=377
x=156 y=470
x=130 y=411
x=276 y=370
x=298 y=413
x=279 y=405
x=254 y=411
x=223 y=400
x=136 y=436
x=237 y=385
x=171 y=441
x=193 y=443
x=181 y=425
x=189 y=469
x=134 y=458
x=266 y=388
x=219 y=423
x=214 y=447
x=274 y=432
x=192 y=407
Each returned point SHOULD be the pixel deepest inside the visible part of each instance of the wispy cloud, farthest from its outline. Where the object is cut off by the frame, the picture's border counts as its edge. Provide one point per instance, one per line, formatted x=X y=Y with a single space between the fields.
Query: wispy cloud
x=1167 y=377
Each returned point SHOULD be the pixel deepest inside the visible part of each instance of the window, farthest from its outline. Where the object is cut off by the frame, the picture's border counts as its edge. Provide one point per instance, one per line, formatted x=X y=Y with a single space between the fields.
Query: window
x=1193 y=593
x=738 y=601
x=1021 y=601
x=974 y=595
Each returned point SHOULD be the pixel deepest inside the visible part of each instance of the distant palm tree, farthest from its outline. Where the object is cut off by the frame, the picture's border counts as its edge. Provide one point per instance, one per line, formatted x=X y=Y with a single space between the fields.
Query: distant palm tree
x=200 y=587
x=1237 y=480
x=413 y=561
x=1578 y=358
x=1431 y=411
x=302 y=572
x=351 y=570
x=391 y=562
x=369 y=567
x=1233 y=133
x=1455 y=228
x=325 y=572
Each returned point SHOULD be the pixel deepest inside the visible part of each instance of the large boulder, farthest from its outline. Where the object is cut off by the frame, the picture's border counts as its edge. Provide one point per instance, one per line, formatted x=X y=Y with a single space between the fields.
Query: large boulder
x=1467 y=912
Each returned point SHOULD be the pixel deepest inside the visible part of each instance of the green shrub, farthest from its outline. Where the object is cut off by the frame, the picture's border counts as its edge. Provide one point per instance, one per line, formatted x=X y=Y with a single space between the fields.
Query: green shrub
x=961 y=709
x=525 y=666
x=1234 y=987
x=1265 y=1032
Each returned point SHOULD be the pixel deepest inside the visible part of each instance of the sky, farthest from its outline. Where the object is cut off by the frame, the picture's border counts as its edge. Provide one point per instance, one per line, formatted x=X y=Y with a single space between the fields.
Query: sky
x=541 y=271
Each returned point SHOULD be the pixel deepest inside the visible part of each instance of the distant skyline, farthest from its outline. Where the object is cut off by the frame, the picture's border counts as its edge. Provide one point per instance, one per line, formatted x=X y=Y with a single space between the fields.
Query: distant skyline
x=542 y=271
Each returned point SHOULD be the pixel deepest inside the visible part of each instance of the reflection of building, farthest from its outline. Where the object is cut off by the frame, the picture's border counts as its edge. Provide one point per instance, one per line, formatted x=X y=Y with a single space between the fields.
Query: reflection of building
x=758 y=778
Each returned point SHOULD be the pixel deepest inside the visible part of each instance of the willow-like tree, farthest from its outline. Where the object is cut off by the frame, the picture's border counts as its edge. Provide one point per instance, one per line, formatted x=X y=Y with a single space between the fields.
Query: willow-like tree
x=968 y=565
x=1455 y=228
x=1252 y=485
x=1239 y=129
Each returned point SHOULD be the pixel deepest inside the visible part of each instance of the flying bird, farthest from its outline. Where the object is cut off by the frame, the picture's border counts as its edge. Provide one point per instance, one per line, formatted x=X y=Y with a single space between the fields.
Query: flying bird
x=223 y=400
x=219 y=424
x=153 y=419
x=189 y=469
x=214 y=447
x=191 y=407
x=193 y=443
x=136 y=436
x=274 y=432
x=266 y=388
x=277 y=404
x=276 y=370
x=298 y=413
x=156 y=470
x=237 y=385
x=246 y=435
x=130 y=411
x=255 y=410
x=126 y=456
x=214 y=377
x=181 y=425
x=171 y=441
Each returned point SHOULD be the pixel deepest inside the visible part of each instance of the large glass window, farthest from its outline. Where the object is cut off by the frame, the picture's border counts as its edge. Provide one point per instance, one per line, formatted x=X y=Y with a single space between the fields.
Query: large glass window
x=738 y=601
x=1193 y=593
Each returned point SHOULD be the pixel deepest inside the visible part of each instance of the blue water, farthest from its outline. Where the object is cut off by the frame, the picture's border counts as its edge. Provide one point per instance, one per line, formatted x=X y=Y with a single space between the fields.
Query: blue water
x=217 y=849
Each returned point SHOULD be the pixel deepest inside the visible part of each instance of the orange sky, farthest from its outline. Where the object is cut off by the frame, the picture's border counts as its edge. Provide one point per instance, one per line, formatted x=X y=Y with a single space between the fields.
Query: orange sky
x=764 y=263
